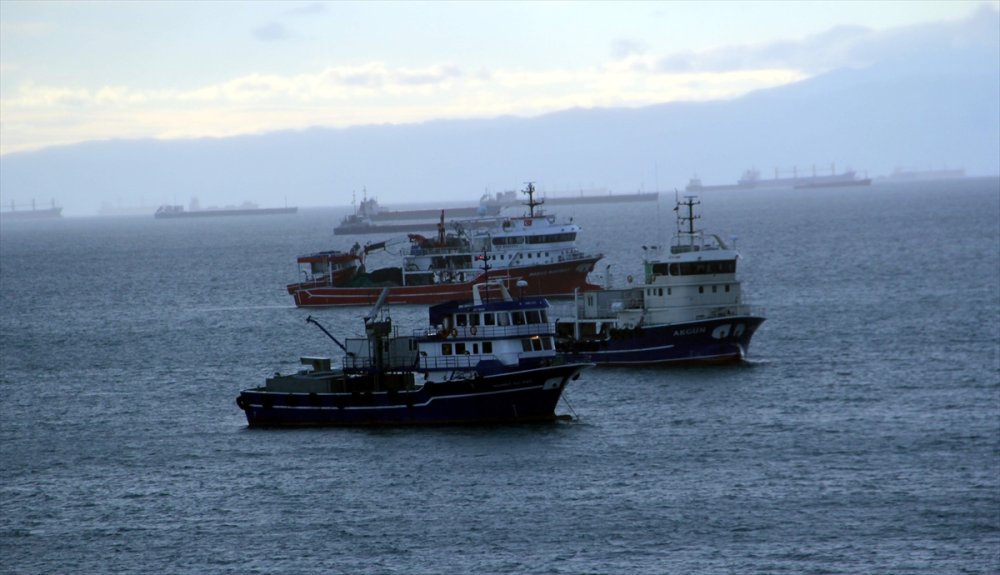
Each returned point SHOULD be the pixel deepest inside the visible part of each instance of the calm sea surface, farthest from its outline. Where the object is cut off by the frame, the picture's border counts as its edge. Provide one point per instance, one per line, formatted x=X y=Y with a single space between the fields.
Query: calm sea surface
x=863 y=435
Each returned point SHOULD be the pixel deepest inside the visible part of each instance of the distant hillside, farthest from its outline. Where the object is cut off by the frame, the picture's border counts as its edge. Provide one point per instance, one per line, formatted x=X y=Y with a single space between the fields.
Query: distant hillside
x=889 y=115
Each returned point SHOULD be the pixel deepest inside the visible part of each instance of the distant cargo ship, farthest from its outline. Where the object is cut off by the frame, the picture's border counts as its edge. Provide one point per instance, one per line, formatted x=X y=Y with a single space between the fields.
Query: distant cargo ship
x=32 y=214
x=368 y=214
x=490 y=205
x=510 y=198
x=751 y=180
x=246 y=209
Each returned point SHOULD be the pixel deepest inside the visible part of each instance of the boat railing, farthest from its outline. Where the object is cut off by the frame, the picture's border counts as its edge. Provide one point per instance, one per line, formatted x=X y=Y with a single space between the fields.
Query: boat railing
x=487 y=331
x=359 y=364
x=437 y=251
x=568 y=254
x=573 y=255
x=704 y=311
x=463 y=361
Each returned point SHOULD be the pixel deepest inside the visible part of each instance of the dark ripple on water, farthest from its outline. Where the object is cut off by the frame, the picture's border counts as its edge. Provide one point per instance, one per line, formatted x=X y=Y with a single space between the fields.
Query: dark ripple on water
x=862 y=436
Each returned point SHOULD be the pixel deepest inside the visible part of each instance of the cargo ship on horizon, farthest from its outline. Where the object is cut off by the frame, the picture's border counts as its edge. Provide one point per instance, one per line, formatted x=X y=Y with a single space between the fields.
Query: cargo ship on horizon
x=195 y=211
x=33 y=214
x=751 y=180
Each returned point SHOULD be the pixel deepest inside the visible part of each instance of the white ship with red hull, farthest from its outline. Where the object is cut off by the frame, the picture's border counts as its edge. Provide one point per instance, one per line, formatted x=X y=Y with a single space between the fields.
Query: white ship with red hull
x=535 y=248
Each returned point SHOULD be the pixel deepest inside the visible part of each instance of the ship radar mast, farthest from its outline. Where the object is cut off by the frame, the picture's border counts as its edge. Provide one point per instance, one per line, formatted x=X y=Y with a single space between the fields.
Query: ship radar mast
x=530 y=190
x=689 y=203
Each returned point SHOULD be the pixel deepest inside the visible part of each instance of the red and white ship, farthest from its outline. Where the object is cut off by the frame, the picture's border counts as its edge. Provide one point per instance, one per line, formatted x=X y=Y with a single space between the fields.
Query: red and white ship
x=534 y=248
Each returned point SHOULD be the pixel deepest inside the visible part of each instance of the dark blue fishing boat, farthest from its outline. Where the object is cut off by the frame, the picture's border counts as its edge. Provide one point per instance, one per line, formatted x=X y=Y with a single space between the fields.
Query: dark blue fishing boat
x=489 y=360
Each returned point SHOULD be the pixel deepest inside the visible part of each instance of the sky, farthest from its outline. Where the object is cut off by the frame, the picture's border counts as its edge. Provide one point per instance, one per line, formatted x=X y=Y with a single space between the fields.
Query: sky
x=72 y=72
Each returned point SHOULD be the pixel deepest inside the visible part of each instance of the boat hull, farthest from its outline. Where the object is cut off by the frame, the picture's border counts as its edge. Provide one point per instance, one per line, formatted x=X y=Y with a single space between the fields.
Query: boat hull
x=44 y=214
x=719 y=340
x=548 y=280
x=519 y=397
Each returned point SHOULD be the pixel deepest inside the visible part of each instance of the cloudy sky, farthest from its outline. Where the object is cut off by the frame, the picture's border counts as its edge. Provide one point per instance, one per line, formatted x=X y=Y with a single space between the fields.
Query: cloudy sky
x=80 y=71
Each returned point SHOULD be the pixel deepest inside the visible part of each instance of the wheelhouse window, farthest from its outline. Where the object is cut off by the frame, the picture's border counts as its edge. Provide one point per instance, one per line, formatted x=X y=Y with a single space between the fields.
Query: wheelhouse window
x=552 y=238
x=489 y=318
x=695 y=268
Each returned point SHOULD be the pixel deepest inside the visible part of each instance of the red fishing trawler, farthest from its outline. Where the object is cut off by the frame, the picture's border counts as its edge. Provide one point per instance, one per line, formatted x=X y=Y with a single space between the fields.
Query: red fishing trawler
x=533 y=253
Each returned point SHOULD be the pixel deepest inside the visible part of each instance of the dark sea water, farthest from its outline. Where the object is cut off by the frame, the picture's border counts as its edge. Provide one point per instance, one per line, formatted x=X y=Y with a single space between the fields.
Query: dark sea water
x=863 y=435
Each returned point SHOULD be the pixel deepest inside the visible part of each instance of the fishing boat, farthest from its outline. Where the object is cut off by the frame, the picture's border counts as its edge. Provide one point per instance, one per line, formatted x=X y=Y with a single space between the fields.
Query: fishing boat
x=688 y=309
x=534 y=247
x=486 y=361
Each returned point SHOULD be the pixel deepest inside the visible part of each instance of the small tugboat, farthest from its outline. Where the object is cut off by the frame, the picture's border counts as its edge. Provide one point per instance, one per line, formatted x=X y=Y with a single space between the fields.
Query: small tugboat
x=491 y=360
x=689 y=309
x=534 y=248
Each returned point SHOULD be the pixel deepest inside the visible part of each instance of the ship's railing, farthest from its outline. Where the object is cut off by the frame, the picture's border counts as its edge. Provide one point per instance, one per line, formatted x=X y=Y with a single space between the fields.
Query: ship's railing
x=704 y=311
x=464 y=361
x=421 y=363
x=568 y=253
x=355 y=364
x=487 y=331
x=437 y=251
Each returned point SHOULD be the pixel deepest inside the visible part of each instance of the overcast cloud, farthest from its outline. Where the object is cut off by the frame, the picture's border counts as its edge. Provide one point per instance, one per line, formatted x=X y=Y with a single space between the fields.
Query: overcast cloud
x=40 y=113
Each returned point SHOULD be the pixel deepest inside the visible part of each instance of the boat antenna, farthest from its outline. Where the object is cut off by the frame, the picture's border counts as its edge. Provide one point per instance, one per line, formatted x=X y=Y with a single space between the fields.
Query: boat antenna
x=486 y=273
x=530 y=190
x=328 y=334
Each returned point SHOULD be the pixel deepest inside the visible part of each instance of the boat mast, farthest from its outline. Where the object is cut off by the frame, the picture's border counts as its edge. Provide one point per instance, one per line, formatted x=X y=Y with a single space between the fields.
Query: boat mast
x=689 y=218
x=530 y=190
x=486 y=273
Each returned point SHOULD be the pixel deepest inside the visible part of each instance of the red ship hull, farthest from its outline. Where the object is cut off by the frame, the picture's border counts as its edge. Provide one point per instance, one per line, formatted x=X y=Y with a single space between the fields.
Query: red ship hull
x=549 y=280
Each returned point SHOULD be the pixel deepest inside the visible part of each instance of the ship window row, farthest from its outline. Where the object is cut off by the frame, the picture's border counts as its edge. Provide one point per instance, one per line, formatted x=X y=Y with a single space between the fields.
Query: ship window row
x=527 y=344
x=539 y=239
x=531 y=316
x=514 y=256
x=695 y=268
x=701 y=289
x=462 y=348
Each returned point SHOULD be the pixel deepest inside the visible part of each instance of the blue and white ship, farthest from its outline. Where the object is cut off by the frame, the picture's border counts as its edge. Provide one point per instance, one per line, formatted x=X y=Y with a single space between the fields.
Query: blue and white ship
x=688 y=309
x=485 y=361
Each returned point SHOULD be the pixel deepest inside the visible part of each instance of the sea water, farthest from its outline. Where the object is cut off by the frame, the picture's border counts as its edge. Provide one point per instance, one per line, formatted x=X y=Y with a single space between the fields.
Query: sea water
x=861 y=436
